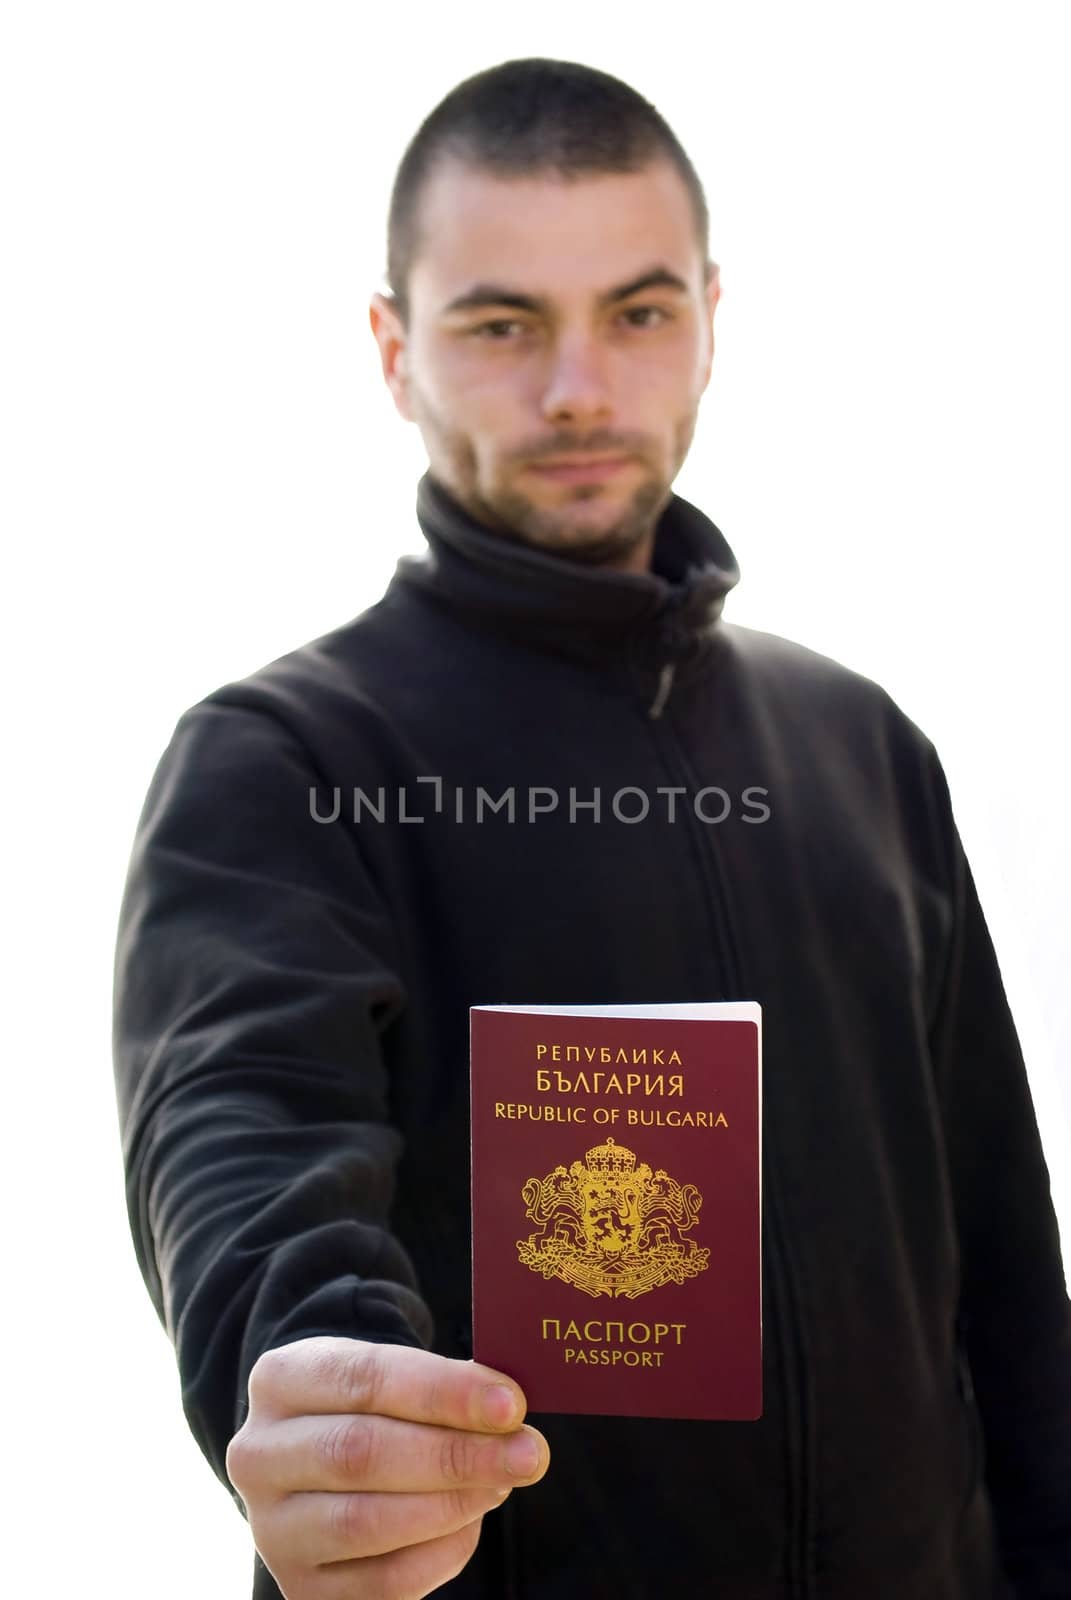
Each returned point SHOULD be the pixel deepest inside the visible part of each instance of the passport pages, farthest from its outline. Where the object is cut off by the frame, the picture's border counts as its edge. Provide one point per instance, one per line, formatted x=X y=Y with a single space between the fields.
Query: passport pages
x=616 y=1206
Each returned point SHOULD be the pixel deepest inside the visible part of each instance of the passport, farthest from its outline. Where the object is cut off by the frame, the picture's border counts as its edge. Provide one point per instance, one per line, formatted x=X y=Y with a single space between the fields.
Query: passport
x=616 y=1206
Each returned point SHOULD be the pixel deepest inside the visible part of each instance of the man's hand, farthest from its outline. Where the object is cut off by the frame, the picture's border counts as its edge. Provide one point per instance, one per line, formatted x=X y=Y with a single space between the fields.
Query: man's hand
x=366 y=1469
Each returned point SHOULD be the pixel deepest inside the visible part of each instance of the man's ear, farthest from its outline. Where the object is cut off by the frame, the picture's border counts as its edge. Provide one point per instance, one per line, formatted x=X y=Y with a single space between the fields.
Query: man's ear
x=390 y=335
x=711 y=296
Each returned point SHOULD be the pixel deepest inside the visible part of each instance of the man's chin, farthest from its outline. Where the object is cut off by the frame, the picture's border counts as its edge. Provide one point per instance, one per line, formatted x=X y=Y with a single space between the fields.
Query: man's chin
x=588 y=548
x=582 y=541
x=590 y=533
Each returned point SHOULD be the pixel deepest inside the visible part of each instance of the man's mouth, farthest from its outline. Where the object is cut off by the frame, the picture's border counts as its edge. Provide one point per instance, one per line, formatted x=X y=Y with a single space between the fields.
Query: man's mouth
x=581 y=468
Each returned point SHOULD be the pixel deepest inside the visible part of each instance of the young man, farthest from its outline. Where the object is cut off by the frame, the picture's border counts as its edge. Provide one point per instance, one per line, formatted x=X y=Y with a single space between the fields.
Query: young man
x=620 y=798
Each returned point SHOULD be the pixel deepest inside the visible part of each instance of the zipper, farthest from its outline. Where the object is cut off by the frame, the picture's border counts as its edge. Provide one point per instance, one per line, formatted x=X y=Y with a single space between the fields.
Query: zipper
x=798 y=1400
x=798 y=1405
x=665 y=683
x=673 y=637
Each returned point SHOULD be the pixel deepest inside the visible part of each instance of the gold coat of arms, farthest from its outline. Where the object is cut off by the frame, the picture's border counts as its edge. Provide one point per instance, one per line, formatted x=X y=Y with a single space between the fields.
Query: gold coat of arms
x=611 y=1227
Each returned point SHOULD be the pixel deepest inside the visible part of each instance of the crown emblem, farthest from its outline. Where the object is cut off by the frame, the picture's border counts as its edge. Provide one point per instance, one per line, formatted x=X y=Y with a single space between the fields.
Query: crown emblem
x=610 y=1159
x=609 y=1226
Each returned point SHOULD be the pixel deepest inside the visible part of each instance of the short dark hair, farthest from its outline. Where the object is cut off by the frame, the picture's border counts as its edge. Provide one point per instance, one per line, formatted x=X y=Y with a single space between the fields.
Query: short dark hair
x=527 y=116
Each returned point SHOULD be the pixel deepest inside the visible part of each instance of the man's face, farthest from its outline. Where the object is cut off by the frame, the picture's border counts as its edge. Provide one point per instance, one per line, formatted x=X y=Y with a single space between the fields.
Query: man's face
x=552 y=322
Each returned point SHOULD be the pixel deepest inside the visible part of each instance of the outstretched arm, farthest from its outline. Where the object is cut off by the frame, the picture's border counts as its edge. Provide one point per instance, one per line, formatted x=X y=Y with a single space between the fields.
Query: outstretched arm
x=255 y=980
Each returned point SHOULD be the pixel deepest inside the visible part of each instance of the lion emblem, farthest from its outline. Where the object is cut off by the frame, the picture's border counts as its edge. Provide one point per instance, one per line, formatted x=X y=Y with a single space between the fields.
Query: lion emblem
x=608 y=1226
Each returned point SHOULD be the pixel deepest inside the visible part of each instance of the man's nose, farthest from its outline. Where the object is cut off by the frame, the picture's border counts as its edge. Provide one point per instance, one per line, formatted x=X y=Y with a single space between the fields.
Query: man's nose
x=578 y=383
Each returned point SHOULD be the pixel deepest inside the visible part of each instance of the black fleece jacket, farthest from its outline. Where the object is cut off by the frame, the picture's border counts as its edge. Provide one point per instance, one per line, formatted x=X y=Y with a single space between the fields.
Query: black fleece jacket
x=699 y=811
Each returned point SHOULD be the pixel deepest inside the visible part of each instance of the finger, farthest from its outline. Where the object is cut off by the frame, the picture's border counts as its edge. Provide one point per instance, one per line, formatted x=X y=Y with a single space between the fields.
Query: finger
x=345 y=1453
x=404 y=1574
x=316 y=1529
x=316 y=1376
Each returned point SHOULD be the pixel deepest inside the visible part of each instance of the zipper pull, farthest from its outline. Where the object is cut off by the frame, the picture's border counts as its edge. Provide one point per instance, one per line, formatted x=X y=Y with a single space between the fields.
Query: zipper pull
x=665 y=683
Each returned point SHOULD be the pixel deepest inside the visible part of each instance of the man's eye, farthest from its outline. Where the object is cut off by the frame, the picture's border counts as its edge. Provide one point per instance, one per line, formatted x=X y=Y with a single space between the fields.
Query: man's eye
x=494 y=330
x=645 y=312
x=503 y=330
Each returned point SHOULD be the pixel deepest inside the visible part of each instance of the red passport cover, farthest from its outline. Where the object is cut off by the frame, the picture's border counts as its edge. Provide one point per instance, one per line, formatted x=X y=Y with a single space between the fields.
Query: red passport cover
x=616 y=1182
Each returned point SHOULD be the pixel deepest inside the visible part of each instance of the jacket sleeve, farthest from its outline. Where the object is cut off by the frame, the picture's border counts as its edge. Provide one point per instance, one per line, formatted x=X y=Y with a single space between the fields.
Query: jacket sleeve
x=256 y=982
x=1015 y=1317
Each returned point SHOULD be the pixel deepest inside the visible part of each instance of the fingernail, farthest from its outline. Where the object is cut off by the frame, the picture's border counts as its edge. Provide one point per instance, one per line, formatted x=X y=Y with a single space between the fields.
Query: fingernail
x=522 y=1455
x=499 y=1405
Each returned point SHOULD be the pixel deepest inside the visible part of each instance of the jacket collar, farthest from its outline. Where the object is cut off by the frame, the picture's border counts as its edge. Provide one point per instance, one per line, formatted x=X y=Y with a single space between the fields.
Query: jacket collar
x=509 y=588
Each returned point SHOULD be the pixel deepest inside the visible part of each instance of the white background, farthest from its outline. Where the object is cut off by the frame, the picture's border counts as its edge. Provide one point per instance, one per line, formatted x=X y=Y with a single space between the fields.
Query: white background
x=202 y=470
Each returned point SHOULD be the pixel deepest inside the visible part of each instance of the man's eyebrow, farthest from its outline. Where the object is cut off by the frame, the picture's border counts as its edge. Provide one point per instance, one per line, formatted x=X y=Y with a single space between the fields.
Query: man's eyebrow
x=482 y=295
